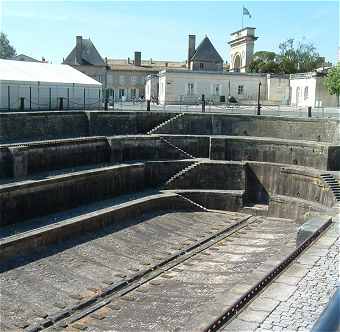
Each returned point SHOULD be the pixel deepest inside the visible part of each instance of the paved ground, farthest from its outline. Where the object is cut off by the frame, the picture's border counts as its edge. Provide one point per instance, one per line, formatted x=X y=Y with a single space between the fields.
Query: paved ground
x=43 y=284
x=296 y=299
x=284 y=110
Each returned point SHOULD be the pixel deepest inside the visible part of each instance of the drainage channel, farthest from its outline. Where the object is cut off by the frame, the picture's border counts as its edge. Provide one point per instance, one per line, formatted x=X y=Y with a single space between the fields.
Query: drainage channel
x=75 y=312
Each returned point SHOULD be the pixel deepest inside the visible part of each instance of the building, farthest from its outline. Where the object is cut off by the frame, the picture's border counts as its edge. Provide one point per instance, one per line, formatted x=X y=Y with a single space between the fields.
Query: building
x=204 y=57
x=85 y=58
x=242 y=49
x=308 y=89
x=172 y=86
x=24 y=57
x=41 y=86
x=126 y=77
x=122 y=79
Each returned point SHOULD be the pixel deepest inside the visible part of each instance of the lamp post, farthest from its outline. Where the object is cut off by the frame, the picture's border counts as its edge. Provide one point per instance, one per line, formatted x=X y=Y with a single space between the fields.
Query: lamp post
x=258 y=100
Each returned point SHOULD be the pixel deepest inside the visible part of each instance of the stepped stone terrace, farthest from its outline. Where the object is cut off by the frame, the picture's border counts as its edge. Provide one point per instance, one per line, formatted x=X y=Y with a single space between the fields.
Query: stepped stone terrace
x=138 y=221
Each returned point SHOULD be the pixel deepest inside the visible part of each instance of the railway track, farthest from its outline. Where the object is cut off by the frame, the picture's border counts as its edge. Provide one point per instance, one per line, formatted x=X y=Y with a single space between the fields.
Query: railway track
x=212 y=272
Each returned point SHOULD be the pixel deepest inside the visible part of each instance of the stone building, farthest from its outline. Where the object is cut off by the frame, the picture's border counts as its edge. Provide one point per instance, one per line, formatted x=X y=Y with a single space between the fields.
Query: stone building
x=241 y=49
x=204 y=57
x=308 y=89
x=85 y=58
x=186 y=87
x=123 y=79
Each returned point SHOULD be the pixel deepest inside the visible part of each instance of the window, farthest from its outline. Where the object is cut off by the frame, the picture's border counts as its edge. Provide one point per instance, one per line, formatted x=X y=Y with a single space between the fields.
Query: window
x=305 y=95
x=133 y=92
x=216 y=91
x=133 y=79
x=201 y=65
x=240 y=90
x=190 y=89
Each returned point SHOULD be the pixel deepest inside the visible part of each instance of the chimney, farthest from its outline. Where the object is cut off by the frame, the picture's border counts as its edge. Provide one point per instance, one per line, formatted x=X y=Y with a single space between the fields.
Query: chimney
x=138 y=58
x=191 y=47
x=79 y=41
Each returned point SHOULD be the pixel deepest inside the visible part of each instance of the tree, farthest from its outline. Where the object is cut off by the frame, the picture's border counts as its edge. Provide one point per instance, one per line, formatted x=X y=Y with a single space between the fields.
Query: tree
x=6 y=50
x=333 y=82
x=301 y=58
x=264 y=62
x=291 y=59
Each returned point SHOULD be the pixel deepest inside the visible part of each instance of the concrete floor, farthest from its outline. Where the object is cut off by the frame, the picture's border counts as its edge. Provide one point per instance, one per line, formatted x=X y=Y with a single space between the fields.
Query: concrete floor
x=61 y=275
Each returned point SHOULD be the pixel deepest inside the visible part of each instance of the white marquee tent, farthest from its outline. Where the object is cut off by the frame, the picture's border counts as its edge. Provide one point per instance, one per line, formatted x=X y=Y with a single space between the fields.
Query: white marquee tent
x=35 y=85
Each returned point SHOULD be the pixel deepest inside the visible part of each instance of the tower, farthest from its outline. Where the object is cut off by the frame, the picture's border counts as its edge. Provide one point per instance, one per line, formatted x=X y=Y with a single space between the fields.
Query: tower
x=241 y=49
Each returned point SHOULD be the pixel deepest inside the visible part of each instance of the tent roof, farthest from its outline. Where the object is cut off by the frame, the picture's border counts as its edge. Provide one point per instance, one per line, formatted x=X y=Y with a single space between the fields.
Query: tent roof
x=11 y=70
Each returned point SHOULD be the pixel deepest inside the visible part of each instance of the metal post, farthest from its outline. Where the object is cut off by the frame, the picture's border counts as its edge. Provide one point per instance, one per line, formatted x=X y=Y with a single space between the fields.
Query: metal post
x=99 y=103
x=9 y=97
x=61 y=103
x=22 y=103
x=309 y=111
x=68 y=98
x=258 y=100
x=203 y=103
x=30 y=98
x=148 y=105
x=49 y=101
x=106 y=103
x=84 y=100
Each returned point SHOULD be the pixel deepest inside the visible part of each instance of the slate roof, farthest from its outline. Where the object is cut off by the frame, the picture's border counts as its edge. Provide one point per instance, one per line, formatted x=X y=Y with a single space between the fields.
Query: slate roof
x=206 y=52
x=89 y=55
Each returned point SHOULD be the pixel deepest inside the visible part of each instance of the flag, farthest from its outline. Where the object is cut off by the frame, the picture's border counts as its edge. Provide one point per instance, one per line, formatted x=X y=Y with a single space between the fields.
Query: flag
x=246 y=12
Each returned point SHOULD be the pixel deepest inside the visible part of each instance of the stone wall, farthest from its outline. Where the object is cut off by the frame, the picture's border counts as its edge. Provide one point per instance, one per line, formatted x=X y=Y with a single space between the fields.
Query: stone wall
x=294 y=208
x=227 y=200
x=259 y=126
x=312 y=154
x=267 y=179
x=24 y=200
x=38 y=126
x=212 y=175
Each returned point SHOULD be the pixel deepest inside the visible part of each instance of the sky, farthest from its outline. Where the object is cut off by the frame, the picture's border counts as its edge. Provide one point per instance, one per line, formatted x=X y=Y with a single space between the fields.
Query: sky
x=159 y=29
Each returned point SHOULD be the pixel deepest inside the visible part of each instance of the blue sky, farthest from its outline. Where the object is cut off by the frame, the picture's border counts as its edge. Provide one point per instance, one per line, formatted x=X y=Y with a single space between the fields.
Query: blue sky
x=159 y=29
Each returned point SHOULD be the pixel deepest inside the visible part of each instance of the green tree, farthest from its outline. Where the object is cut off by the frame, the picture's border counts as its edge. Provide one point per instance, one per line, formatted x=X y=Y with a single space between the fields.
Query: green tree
x=6 y=50
x=291 y=59
x=264 y=62
x=300 y=58
x=333 y=82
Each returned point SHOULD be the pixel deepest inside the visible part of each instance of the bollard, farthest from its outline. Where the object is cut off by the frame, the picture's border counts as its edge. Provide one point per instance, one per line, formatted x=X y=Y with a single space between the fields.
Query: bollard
x=22 y=103
x=148 y=105
x=203 y=103
x=309 y=111
x=61 y=104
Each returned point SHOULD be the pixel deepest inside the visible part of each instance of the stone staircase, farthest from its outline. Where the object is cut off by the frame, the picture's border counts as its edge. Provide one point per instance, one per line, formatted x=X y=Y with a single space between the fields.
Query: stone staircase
x=188 y=155
x=161 y=125
x=332 y=183
x=201 y=207
x=181 y=173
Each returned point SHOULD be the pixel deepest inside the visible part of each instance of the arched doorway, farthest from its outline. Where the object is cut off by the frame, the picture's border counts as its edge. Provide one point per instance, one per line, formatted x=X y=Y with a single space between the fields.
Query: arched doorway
x=237 y=62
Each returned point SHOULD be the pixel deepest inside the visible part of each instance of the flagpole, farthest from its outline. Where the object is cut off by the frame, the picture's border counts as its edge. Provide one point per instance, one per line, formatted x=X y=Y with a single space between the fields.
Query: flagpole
x=242 y=17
